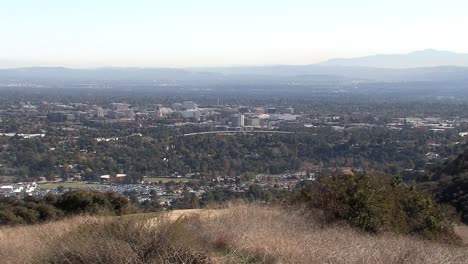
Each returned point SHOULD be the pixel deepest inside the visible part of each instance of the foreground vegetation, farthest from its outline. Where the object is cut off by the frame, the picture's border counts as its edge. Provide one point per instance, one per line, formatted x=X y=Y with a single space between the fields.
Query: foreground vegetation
x=449 y=183
x=378 y=203
x=374 y=203
x=249 y=233
x=33 y=209
x=352 y=218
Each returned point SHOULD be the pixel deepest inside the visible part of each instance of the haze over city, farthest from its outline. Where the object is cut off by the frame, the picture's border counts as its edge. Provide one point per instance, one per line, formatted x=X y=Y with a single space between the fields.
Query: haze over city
x=185 y=33
x=233 y=131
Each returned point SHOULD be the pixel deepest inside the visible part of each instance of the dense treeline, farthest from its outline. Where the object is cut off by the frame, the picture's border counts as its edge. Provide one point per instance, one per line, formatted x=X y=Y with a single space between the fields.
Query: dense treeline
x=34 y=209
x=158 y=152
x=217 y=196
x=449 y=183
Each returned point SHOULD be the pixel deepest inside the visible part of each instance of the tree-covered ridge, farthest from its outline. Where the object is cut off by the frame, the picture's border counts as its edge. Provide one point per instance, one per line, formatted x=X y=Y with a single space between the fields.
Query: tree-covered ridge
x=163 y=151
x=452 y=184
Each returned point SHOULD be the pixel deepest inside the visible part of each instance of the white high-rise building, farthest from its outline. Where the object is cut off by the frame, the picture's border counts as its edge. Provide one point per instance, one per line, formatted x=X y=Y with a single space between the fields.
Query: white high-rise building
x=241 y=120
x=100 y=112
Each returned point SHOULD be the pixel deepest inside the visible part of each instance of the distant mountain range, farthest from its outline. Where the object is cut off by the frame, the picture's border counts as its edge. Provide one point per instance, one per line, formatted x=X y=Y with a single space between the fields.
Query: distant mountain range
x=417 y=59
x=426 y=65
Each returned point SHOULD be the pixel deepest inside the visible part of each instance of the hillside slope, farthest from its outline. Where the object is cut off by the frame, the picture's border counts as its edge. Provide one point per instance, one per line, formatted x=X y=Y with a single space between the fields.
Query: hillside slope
x=240 y=234
x=452 y=186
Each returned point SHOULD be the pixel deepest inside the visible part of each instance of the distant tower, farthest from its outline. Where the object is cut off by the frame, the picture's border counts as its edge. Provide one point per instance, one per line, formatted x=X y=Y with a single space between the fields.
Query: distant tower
x=158 y=113
x=99 y=112
x=241 y=120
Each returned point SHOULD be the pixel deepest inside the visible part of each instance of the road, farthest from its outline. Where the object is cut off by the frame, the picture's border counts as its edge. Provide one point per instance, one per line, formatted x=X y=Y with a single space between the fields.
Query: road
x=238 y=132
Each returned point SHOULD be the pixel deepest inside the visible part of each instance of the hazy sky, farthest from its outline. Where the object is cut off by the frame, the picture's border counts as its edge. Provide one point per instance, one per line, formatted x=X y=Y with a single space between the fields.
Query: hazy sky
x=93 y=33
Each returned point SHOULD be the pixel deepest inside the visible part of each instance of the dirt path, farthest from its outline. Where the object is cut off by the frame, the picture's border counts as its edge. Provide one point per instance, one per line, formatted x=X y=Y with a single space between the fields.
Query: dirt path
x=462 y=231
x=176 y=214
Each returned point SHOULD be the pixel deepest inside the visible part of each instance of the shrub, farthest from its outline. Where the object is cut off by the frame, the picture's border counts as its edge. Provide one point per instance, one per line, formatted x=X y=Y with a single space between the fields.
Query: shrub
x=378 y=203
x=128 y=241
x=48 y=212
x=8 y=217
x=93 y=202
x=29 y=216
x=33 y=209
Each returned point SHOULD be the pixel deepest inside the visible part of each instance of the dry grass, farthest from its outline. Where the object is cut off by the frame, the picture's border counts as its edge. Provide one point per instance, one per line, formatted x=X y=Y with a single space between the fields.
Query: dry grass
x=271 y=235
x=102 y=240
x=23 y=244
x=240 y=234
x=128 y=241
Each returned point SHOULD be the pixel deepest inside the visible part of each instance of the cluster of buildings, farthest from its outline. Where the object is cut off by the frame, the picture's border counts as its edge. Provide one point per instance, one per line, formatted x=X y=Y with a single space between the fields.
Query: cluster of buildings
x=220 y=116
x=166 y=192
x=431 y=123
x=179 y=113
x=215 y=118
x=17 y=189
x=115 y=111
x=264 y=117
